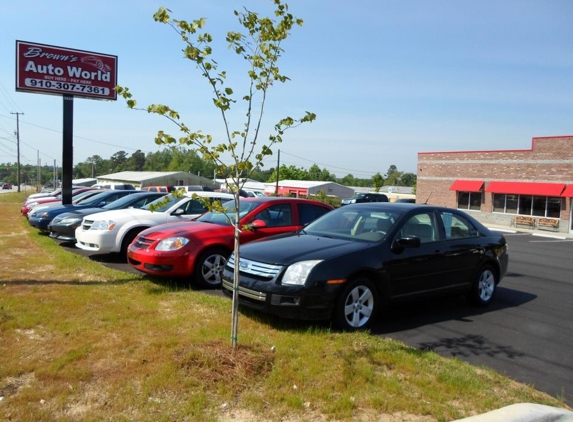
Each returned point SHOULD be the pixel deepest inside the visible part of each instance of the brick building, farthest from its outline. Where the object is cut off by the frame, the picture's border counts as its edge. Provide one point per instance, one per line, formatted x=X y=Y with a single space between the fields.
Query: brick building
x=497 y=186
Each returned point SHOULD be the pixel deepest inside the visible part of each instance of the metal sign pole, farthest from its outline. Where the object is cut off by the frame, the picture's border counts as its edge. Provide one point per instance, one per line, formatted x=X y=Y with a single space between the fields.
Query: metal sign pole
x=68 y=149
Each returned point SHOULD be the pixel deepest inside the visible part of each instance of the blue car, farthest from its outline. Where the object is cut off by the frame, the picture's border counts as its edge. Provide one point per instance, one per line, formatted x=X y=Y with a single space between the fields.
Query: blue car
x=41 y=217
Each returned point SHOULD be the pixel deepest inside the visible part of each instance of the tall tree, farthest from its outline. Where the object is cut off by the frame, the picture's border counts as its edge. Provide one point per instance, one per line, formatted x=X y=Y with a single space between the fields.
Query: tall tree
x=159 y=160
x=118 y=161
x=136 y=162
x=391 y=170
x=261 y=47
x=408 y=179
x=378 y=181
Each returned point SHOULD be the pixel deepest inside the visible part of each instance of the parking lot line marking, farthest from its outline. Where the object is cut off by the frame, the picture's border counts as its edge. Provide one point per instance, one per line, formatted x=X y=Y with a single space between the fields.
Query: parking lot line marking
x=550 y=236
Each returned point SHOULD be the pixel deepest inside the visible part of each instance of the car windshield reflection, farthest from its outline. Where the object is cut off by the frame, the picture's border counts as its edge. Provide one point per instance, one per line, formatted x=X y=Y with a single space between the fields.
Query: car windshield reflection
x=171 y=200
x=360 y=225
x=228 y=216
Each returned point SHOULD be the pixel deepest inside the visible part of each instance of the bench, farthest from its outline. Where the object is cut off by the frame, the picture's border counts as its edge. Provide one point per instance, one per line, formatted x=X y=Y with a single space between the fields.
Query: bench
x=548 y=224
x=524 y=220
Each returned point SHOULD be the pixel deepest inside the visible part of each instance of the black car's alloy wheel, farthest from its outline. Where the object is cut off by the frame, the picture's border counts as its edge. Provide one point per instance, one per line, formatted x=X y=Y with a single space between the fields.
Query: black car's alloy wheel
x=483 y=287
x=209 y=268
x=357 y=305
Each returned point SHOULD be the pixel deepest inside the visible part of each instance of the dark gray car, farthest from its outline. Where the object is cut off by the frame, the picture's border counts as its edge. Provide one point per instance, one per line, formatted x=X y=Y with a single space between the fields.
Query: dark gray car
x=365 y=197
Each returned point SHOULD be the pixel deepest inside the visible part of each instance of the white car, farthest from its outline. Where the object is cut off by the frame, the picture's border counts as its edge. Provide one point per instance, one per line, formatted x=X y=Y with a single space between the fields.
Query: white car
x=113 y=231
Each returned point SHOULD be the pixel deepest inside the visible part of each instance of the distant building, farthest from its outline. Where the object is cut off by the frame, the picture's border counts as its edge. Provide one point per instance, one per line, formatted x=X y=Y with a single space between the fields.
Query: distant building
x=299 y=188
x=141 y=179
x=497 y=186
x=84 y=182
x=249 y=184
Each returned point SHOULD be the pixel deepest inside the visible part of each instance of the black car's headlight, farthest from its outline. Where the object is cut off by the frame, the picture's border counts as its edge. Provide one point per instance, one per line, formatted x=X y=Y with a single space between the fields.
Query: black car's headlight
x=70 y=221
x=297 y=273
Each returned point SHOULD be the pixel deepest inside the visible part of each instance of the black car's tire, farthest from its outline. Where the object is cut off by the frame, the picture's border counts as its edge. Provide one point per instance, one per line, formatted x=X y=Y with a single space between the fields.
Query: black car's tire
x=484 y=286
x=356 y=306
x=209 y=268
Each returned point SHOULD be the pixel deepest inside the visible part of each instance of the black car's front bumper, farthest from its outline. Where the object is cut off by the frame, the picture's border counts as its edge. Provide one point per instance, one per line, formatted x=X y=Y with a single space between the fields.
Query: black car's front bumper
x=296 y=302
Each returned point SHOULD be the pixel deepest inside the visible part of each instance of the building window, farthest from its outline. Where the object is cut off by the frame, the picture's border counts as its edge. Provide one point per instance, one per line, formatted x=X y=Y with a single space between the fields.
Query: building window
x=469 y=200
x=537 y=206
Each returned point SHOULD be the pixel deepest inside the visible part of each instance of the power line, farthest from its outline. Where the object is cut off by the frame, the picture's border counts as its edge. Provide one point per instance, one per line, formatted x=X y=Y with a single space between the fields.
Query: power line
x=6 y=95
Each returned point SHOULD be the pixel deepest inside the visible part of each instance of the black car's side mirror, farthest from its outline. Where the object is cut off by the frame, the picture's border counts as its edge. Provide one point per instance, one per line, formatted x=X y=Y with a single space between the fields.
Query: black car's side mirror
x=405 y=242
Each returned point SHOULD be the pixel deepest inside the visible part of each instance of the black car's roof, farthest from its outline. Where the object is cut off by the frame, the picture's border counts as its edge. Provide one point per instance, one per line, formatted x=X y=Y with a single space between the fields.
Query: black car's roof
x=404 y=207
x=263 y=199
x=388 y=206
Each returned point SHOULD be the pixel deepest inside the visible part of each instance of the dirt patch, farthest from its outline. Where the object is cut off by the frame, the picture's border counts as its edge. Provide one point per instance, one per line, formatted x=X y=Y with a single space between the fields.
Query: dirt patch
x=11 y=385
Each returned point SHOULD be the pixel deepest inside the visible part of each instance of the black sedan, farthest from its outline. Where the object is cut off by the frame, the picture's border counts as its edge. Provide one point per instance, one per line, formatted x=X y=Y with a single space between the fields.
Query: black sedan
x=63 y=226
x=347 y=264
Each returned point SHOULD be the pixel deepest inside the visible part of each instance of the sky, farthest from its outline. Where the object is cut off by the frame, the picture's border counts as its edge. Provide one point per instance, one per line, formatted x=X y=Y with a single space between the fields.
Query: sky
x=387 y=79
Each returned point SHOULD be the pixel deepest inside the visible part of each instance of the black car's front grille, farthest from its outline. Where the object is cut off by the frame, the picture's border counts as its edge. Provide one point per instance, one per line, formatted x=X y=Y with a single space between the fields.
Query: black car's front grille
x=253 y=268
x=142 y=242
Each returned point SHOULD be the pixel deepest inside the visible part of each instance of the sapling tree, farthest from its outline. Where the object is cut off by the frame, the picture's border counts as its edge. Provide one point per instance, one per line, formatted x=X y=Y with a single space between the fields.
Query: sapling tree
x=242 y=150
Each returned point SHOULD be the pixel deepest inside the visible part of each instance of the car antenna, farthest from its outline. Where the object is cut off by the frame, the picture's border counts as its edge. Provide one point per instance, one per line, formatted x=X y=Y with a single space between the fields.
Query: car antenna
x=426 y=202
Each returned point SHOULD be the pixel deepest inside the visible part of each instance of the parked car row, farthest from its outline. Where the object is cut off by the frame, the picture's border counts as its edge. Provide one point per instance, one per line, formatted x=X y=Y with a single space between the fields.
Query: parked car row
x=298 y=258
x=167 y=243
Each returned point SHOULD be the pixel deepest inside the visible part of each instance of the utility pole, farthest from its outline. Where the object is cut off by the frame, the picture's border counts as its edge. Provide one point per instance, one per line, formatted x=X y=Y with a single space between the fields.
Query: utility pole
x=38 y=181
x=18 y=147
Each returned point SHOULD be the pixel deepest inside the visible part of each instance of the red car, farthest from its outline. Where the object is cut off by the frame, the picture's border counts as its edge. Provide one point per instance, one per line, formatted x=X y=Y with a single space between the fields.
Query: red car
x=46 y=200
x=199 y=249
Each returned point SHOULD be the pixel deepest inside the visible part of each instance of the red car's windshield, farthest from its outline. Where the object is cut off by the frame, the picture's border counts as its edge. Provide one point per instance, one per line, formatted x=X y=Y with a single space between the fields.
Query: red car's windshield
x=227 y=217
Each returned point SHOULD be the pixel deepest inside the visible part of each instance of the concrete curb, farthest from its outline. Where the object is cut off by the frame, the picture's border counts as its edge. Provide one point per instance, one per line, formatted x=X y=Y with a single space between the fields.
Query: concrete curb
x=540 y=233
x=523 y=412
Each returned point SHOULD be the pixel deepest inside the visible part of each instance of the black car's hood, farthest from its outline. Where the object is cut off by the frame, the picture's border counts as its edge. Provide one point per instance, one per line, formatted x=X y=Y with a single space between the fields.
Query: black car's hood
x=68 y=208
x=298 y=247
x=83 y=211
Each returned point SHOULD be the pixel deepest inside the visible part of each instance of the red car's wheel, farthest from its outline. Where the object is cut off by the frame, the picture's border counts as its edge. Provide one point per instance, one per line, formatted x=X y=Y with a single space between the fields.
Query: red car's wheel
x=209 y=268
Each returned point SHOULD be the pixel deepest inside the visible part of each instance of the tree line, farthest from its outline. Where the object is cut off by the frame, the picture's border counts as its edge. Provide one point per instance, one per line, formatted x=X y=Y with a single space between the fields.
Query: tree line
x=176 y=158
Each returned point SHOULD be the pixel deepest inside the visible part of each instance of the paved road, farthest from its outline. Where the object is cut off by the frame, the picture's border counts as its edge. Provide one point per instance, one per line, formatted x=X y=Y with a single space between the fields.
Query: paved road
x=526 y=333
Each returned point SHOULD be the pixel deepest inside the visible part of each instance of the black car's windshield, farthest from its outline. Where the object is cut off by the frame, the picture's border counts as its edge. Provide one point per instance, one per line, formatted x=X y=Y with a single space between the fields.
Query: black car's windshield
x=122 y=202
x=94 y=199
x=82 y=196
x=357 y=224
x=227 y=217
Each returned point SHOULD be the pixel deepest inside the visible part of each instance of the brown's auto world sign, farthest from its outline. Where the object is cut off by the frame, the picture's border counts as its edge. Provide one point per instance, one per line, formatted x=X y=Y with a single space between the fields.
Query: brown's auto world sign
x=47 y=69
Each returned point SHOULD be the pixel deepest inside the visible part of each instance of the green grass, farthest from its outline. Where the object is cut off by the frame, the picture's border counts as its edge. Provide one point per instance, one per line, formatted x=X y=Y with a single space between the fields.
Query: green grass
x=79 y=341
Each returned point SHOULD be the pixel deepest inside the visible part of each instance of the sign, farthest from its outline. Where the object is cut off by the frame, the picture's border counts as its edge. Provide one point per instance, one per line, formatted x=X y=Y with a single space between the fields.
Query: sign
x=47 y=69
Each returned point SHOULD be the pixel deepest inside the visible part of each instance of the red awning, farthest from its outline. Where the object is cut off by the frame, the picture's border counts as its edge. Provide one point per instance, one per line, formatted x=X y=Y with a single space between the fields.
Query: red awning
x=467 y=185
x=568 y=192
x=526 y=188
